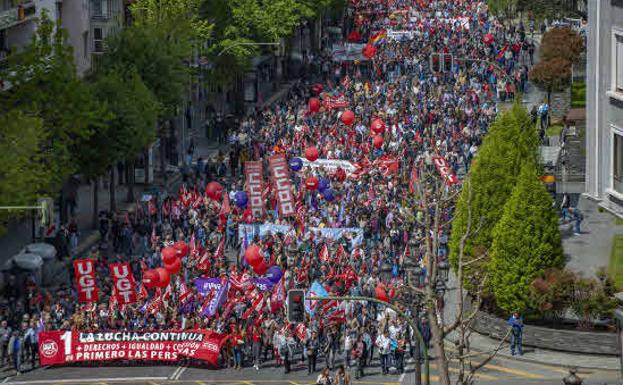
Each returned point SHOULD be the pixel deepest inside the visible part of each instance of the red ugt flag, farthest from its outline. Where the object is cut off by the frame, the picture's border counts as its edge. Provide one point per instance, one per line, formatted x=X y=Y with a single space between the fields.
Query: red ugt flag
x=123 y=282
x=85 y=280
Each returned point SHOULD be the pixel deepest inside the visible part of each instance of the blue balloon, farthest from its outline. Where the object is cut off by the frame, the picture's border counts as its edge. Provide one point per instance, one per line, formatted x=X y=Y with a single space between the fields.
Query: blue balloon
x=296 y=164
x=241 y=198
x=323 y=184
x=274 y=274
x=328 y=195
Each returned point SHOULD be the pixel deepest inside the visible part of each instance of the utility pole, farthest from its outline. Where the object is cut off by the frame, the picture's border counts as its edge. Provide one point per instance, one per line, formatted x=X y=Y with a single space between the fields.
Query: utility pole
x=420 y=341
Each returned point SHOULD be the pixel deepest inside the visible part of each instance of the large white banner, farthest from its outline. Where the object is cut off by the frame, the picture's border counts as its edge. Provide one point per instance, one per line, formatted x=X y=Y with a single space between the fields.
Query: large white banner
x=331 y=165
x=251 y=231
x=348 y=52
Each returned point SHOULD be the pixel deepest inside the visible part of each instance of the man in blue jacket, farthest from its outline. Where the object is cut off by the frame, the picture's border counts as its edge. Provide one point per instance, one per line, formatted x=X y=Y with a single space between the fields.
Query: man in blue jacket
x=516 y=323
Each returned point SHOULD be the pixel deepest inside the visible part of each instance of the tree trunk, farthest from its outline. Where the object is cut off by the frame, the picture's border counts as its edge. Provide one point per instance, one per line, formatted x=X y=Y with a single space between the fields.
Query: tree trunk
x=130 y=170
x=438 y=347
x=95 y=190
x=113 y=201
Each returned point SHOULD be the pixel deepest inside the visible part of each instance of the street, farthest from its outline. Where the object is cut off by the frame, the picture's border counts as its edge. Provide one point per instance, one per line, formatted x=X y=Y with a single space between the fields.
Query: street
x=498 y=371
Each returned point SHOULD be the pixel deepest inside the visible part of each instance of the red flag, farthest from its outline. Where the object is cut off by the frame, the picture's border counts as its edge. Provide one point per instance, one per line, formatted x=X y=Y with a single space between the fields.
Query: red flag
x=85 y=280
x=142 y=292
x=123 y=282
x=256 y=306
x=183 y=293
x=324 y=253
x=413 y=179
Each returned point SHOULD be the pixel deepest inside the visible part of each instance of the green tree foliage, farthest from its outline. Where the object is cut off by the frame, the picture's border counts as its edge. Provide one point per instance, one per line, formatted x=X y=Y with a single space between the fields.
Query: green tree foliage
x=236 y=23
x=179 y=18
x=526 y=242
x=512 y=139
x=130 y=123
x=44 y=82
x=22 y=176
x=158 y=60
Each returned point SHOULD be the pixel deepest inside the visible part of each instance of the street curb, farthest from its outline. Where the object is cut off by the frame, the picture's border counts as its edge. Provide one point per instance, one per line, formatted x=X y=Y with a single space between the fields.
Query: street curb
x=540 y=362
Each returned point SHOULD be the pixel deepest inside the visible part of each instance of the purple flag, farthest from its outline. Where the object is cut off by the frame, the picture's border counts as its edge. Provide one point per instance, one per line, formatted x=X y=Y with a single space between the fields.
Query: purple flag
x=217 y=300
x=206 y=285
x=263 y=284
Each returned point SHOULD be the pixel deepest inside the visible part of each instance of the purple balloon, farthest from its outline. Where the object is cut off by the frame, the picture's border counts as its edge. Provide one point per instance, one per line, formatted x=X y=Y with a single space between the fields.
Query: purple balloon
x=328 y=195
x=323 y=184
x=241 y=198
x=274 y=274
x=296 y=164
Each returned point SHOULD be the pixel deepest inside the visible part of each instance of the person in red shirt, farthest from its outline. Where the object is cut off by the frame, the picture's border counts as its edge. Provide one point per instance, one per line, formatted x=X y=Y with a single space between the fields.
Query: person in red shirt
x=256 y=339
x=237 y=341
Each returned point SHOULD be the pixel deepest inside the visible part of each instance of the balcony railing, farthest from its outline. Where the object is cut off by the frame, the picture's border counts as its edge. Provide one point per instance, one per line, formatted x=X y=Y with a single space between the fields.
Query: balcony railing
x=16 y=15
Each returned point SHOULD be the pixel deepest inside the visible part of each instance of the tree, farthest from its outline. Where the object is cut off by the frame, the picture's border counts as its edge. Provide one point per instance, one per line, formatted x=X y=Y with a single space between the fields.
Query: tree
x=552 y=293
x=552 y=75
x=526 y=242
x=563 y=43
x=44 y=83
x=22 y=176
x=512 y=138
x=129 y=129
x=157 y=59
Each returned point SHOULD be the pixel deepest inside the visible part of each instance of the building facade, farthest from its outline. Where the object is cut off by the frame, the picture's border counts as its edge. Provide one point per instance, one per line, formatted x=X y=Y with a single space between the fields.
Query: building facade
x=604 y=123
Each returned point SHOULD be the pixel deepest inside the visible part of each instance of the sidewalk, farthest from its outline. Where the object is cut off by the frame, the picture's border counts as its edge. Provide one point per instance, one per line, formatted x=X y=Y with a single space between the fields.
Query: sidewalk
x=590 y=251
x=483 y=344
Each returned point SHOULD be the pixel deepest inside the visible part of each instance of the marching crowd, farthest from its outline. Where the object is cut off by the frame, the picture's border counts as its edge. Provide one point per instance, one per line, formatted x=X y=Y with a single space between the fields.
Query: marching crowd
x=425 y=114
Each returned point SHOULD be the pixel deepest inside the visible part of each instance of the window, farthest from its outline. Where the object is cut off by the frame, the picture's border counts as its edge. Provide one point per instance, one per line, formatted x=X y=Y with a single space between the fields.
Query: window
x=618 y=63
x=85 y=44
x=98 y=40
x=617 y=163
x=100 y=8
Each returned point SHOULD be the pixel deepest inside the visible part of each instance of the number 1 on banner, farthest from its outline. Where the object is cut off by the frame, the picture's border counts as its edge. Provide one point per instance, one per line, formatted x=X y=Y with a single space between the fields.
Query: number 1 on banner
x=66 y=337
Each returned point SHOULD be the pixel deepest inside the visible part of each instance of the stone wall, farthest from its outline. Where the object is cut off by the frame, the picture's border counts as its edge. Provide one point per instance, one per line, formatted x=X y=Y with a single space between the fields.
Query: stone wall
x=551 y=339
x=560 y=103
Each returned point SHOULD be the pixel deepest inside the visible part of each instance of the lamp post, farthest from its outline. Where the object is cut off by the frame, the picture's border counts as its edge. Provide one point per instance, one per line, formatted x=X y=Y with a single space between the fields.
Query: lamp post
x=572 y=378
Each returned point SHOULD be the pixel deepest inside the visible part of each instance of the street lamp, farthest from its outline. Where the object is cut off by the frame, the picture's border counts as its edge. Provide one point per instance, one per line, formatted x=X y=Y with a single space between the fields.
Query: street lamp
x=572 y=378
x=444 y=268
x=419 y=276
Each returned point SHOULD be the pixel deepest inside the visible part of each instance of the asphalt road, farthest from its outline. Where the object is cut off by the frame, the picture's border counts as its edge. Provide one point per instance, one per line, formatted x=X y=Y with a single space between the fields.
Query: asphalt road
x=498 y=371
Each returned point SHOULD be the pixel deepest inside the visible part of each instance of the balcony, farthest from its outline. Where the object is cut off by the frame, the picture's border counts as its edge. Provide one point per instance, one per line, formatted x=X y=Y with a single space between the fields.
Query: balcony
x=16 y=15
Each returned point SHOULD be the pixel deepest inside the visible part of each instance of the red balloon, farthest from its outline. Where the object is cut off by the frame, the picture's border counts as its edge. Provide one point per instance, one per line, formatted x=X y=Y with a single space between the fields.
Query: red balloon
x=261 y=268
x=377 y=141
x=182 y=248
x=214 y=190
x=311 y=183
x=164 y=277
x=377 y=126
x=314 y=105
x=348 y=117
x=317 y=89
x=173 y=268
x=253 y=254
x=151 y=278
x=380 y=293
x=368 y=51
x=169 y=254
x=311 y=153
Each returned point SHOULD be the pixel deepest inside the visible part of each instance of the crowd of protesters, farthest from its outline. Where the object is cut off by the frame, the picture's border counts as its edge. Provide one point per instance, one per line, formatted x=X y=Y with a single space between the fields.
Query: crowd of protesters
x=426 y=114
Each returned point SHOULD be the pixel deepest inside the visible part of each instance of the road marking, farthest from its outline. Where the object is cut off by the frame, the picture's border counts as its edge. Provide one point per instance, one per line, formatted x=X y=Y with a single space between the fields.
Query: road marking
x=152 y=383
x=200 y=382
x=178 y=373
x=89 y=381
x=477 y=375
x=517 y=372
